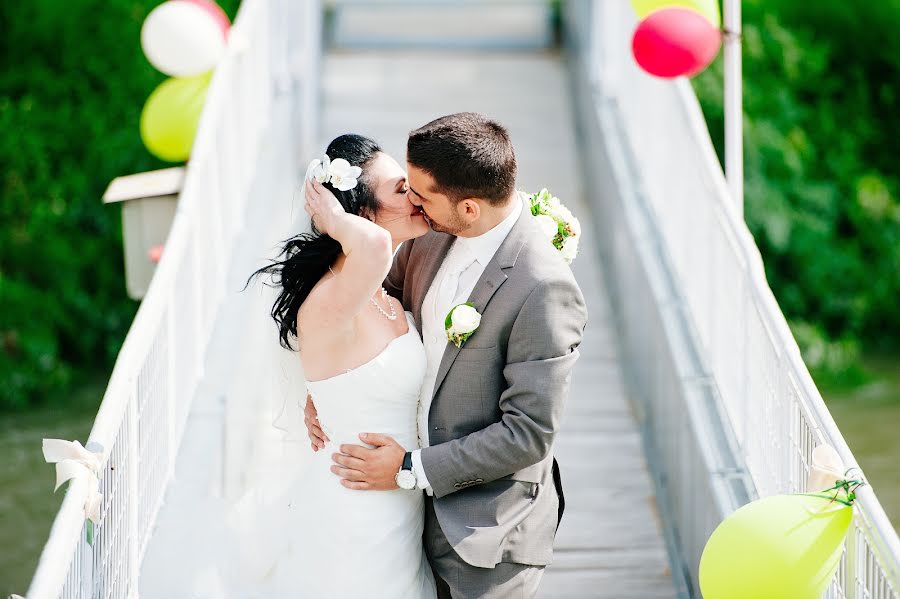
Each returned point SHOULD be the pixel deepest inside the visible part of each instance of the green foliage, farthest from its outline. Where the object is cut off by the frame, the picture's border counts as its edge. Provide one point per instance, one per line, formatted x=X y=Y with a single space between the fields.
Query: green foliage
x=821 y=123
x=73 y=80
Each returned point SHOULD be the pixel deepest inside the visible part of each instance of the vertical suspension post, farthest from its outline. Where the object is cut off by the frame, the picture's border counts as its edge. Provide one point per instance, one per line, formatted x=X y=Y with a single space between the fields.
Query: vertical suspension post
x=734 y=112
x=596 y=51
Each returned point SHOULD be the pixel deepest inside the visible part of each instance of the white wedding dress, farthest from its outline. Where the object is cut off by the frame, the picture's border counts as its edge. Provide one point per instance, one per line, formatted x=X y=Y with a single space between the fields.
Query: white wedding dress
x=315 y=538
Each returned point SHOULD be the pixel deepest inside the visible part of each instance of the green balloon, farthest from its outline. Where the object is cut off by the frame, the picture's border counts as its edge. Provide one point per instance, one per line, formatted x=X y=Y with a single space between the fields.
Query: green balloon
x=781 y=547
x=171 y=115
x=707 y=8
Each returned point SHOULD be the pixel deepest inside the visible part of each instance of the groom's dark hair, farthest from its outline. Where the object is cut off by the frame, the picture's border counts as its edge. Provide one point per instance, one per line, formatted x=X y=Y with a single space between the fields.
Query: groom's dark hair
x=468 y=154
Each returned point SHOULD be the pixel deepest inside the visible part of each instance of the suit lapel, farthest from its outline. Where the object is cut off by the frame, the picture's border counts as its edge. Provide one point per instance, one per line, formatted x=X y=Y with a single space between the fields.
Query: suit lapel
x=491 y=280
x=431 y=263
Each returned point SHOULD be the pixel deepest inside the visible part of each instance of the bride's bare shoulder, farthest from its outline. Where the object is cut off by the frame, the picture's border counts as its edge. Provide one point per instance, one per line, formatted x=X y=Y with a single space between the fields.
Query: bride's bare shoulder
x=314 y=314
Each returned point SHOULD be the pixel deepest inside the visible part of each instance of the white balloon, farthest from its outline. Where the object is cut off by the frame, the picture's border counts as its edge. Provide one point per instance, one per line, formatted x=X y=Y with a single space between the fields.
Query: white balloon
x=182 y=39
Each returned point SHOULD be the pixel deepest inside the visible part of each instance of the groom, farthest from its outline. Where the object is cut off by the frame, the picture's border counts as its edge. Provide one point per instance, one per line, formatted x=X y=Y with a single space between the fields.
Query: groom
x=490 y=409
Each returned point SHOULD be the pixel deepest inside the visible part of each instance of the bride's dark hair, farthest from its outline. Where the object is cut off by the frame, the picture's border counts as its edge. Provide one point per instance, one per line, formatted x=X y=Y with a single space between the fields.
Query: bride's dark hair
x=307 y=256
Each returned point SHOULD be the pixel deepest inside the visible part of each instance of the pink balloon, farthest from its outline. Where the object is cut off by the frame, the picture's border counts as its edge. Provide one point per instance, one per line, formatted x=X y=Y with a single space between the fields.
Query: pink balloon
x=215 y=11
x=675 y=41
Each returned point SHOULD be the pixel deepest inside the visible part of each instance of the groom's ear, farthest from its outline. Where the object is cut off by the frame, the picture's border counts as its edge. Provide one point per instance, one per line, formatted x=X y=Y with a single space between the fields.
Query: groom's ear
x=469 y=209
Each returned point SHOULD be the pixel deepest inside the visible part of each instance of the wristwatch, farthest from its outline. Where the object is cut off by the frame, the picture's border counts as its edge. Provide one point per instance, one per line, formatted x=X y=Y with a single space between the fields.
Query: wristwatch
x=406 y=478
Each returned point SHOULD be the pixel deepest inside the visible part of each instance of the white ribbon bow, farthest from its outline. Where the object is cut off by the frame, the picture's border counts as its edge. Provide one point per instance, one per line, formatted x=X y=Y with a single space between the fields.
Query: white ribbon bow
x=75 y=462
x=825 y=469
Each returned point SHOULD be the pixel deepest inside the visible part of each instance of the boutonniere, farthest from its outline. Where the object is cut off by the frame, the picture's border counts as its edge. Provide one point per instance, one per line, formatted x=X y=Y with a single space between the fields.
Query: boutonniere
x=461 y=322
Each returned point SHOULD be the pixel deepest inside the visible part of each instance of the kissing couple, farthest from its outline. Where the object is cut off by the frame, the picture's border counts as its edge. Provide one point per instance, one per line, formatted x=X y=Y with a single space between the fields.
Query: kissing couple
x=437 y=329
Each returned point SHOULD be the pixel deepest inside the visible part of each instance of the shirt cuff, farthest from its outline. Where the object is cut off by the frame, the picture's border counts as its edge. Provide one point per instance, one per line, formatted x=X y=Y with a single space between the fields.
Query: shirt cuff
x=419 y=471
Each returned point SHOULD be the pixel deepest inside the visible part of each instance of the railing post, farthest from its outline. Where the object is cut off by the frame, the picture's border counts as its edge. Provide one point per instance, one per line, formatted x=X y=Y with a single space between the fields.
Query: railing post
x=597 y=56
x=133 y=499
x=602 y=40
x=305 y=73
x=172 y=384
x=734 y=111
x=851 y=556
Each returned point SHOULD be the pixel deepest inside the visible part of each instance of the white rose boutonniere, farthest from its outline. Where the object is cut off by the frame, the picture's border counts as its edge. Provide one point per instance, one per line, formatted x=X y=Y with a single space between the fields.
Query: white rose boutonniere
x=557 y=222
x=461 y=322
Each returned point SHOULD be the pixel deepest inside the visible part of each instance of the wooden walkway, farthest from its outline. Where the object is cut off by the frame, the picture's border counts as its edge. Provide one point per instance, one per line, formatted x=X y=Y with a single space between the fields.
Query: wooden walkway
x=609 y=544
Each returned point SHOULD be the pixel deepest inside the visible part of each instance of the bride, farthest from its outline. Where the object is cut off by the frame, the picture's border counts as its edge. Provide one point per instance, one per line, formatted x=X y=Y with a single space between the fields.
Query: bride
x=364 y=364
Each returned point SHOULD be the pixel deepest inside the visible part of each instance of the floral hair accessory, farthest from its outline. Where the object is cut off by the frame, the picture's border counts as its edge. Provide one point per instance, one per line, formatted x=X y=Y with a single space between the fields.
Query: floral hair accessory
x=338 y=172
x=557 y=222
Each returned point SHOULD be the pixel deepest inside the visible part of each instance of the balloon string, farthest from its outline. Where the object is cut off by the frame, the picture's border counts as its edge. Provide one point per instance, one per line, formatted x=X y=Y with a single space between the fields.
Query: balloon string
x=848 y=486
x=823 y=496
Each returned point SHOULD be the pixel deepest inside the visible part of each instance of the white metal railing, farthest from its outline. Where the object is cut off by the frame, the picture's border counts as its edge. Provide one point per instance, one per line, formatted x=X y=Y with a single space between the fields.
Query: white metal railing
x=144 y=409
x=745 y=349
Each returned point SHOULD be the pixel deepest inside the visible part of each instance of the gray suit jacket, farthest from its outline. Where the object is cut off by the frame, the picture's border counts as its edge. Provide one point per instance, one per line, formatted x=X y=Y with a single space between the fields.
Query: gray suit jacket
x=498 y=400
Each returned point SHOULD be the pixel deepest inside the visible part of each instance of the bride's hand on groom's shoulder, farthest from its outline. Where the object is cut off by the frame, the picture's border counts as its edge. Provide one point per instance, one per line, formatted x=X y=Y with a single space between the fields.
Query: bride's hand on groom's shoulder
x=364 y=469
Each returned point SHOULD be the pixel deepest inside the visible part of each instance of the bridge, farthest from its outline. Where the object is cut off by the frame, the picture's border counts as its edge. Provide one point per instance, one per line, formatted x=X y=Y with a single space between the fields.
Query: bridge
x=690 y=399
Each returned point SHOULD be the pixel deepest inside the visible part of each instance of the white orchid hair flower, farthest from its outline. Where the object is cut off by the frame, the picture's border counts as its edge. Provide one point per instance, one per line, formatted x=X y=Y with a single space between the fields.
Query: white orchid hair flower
x=343 y=176
x=340 y=173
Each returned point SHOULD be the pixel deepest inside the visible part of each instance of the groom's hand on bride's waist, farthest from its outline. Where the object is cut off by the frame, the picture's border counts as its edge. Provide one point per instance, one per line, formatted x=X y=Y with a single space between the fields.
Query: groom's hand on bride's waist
x=365 y=469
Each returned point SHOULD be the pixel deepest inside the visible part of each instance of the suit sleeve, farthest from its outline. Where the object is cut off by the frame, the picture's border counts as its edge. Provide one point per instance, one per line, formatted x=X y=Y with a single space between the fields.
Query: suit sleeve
x=543 y=348
x=397 y=275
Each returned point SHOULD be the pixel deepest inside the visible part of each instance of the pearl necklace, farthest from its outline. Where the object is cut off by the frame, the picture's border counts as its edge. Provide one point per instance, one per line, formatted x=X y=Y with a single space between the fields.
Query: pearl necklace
x=384 y=294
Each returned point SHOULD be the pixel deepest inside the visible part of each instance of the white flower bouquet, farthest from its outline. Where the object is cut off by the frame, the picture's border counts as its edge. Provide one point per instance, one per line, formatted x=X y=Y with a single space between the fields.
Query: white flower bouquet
x=557 y=222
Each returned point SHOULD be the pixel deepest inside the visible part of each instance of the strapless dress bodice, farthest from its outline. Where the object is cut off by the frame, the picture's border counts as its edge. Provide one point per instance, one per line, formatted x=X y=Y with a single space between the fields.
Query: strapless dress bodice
x=380 y=396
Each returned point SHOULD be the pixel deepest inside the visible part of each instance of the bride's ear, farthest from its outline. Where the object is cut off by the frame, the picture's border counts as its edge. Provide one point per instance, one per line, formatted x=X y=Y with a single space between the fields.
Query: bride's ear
x=369 y=215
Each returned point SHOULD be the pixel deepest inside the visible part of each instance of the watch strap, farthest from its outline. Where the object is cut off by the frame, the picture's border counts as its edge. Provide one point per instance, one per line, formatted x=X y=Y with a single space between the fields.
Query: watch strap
x=407 y=461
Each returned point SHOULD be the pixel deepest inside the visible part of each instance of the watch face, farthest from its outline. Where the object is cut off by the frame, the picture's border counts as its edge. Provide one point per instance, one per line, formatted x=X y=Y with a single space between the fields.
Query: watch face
x=406 y=479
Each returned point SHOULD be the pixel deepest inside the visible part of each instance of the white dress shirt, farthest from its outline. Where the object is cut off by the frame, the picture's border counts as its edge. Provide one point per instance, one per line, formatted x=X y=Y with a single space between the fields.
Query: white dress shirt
x=470 y=255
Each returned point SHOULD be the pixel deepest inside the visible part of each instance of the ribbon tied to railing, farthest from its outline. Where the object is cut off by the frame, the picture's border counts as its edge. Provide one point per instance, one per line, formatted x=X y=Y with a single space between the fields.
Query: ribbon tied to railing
x=73 y=461
x=828 y=478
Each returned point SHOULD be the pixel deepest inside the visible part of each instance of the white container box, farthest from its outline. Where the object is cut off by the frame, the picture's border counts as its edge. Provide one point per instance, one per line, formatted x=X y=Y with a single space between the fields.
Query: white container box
x=148 y=202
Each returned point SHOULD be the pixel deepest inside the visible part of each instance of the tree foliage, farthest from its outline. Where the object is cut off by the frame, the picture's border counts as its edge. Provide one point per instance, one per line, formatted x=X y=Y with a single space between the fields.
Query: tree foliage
x=73 y=80
x=821 y=126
